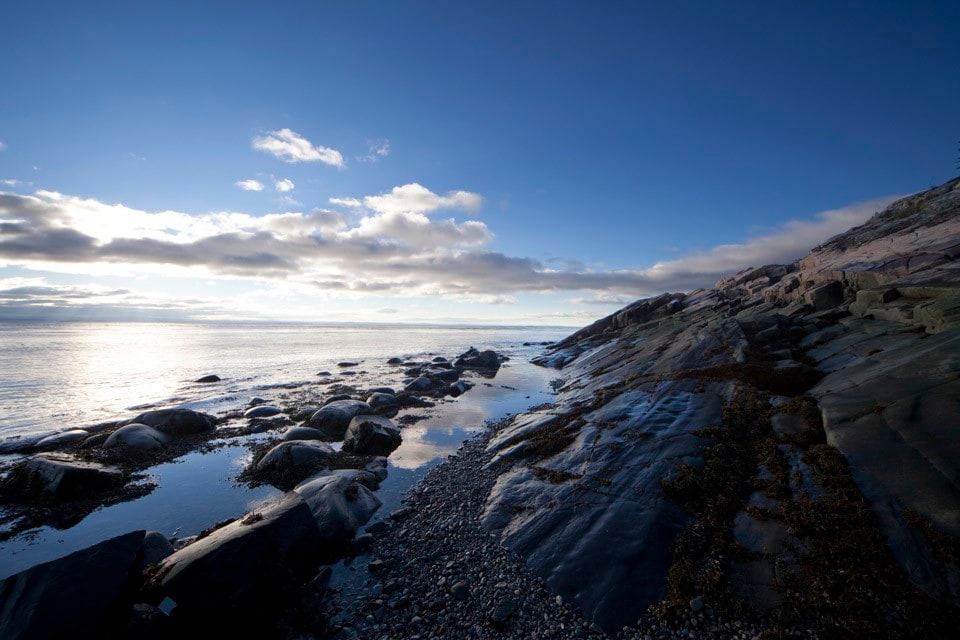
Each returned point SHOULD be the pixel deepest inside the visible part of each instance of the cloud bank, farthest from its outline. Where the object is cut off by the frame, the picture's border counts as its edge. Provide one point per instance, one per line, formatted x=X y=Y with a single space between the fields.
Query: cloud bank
x=290 y=146
x=390 y=244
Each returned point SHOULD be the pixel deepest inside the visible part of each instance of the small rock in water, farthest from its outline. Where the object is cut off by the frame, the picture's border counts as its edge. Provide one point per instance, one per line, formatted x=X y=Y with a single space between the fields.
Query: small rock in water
x=208 y=379
x=262 y=411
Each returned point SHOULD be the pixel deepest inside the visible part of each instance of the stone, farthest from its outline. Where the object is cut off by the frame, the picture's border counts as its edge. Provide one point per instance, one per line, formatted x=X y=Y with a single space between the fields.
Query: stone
x=290 y=462
x=371 y=435
x=262 y=411
x=137 y=436
x=458 y=388
x=208 y=379
x=335 y=398
x=177 y=422
x=74 y=597
x=502 y=612
x=385 y=404
x=339 y=505
x=305 y=413
x=302 y=433
x=62 y=439
x=154 y=549
x=245 y=567
x=333 y=419
x=395 y=361
x=447 y=375
x=460 y=591
x=378 y=467
x=55 y=477
x=347 y=364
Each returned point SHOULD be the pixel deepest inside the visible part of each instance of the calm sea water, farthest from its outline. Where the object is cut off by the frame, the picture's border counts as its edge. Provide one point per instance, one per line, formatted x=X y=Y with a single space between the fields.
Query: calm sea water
x=61 y=376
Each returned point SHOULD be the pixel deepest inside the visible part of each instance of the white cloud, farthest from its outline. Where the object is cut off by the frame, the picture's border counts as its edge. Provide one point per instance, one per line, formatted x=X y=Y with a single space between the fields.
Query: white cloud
x=290 y=146
x=10 y=182
x=284 y=185
x=2 y=145
x=415 y=198
x=250 y=185
x=351 y=203
x=392 y=250
x=377 y=150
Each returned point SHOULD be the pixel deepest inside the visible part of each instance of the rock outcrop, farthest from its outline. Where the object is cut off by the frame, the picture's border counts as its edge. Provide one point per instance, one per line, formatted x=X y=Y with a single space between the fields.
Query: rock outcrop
x=788 y=441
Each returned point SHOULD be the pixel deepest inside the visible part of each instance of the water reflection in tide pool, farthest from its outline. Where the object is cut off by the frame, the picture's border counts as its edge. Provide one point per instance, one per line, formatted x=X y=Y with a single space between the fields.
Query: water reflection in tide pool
x=198 y=490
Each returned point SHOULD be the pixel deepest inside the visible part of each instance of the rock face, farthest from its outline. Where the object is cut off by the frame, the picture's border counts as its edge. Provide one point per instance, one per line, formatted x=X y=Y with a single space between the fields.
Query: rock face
x=371 y=435
x=810 y=409
x=232 y=570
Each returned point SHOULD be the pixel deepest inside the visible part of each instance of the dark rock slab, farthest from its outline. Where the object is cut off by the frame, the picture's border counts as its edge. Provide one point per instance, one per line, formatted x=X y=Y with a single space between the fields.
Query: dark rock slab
x=371 y=435
x=137 y=436
x=74 y=597
x=340 y=504
x=333 y=419
x=177 y=422
x=55 y=477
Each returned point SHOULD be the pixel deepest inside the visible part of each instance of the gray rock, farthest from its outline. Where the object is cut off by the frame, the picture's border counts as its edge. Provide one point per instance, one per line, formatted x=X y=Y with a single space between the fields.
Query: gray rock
x=74 y=597
x=302 y=433
x=208 y=379
x=262 y=411
x=177 y=422
x=62 y=439
x=333 y=419
x=57 y=476
x=371 y=435
x=238 y=568
x=137 y=436
x=339 y=505
x=384 y=404
x=422 y=385
x=460 y=591
x=291 y=461
x=155 y=548
x=378 y=467
x=335 y=398
x=305 y=413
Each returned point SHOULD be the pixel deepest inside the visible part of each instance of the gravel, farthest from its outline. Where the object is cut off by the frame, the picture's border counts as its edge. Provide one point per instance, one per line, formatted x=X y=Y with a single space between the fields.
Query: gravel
x=436 y=573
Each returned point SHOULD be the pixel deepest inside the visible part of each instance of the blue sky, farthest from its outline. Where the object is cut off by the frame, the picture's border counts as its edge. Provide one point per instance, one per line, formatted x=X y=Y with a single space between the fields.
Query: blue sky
x=512 y=162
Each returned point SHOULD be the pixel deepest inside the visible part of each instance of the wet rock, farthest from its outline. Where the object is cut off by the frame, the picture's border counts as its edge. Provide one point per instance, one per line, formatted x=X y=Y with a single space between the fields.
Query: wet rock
x=478 y=360
x=371 y=435
x=74 y=597
x=208 y=379
x=385 y=404
x=291 y=461
x=302 y=433
x=333 y=419
x=336 y=397
x=63 y=439
x=262 y=411
x=177 y=422
x=339 y=505
x=305 y=413
x=54 y=477
x=378 y=467
x=347 y=364
x=245 y=567
x=395 y=361
x=137 y=436
x=423 y=384
x=155 y=547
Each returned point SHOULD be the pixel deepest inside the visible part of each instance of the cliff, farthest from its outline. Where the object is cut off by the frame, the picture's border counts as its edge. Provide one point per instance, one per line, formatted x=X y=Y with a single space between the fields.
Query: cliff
x=784 y=446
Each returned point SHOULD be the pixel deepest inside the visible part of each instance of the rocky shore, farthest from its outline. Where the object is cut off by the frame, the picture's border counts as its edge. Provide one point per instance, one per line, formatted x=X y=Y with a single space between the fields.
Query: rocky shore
x=773 y=457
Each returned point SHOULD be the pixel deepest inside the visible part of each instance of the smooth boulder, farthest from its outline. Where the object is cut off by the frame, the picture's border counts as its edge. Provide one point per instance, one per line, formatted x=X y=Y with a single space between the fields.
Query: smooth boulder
x=371 y=435
x=137 y=436
x=177 y=422
x=302 y=433
x=262 y=411
x=384 y=404
x=339 y=503
x=62 y=439
x=333 y=419
x=244 y=567
x=293 y=460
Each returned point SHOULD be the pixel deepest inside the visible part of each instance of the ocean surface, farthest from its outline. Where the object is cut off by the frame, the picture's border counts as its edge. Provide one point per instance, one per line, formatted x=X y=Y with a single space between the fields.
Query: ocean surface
x=60 y=376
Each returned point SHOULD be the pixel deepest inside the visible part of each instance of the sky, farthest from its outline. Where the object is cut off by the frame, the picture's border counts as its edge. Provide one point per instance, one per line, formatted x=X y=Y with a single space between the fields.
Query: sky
x=487 y=162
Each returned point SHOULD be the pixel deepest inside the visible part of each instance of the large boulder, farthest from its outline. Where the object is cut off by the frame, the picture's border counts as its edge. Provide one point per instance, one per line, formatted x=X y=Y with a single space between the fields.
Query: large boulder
x=371 y=435
x=74 y=597
x=486 y=363
x=177 y=422
x=302 y=433
x=245 y=567
x=340 y=504
x=291 y=461
x=137 y=436
x=384 y=404
x=53 y=477
x=333 y=419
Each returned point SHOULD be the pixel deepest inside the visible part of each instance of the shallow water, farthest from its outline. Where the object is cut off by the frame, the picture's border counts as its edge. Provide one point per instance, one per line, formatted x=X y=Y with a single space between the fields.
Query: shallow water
x=276 y=362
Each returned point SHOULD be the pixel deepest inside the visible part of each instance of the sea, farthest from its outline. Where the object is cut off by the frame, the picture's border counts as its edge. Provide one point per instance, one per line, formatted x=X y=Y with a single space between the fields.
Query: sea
x=59 y=376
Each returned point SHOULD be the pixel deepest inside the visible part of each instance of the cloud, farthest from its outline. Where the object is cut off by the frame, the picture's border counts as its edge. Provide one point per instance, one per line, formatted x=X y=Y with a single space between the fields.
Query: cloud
x=415 y=198
x=290 y=146
x=250 y=185
x=351 y=203
x=394 y=248
x=377 y=150
x=10 y=182
x=284 y=185
x=2 y=145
